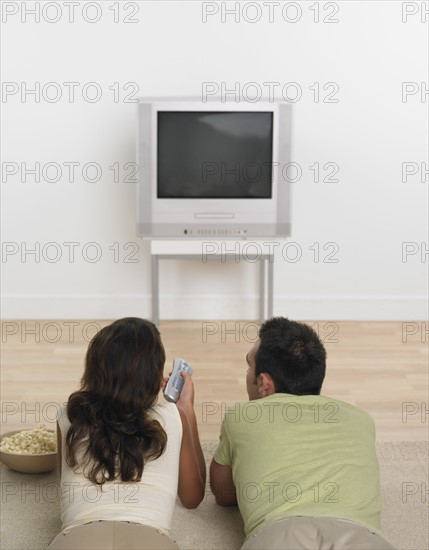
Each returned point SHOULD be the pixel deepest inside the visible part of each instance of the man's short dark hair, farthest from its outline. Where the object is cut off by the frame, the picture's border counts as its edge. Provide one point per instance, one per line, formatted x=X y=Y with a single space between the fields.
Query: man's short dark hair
x=293 y=355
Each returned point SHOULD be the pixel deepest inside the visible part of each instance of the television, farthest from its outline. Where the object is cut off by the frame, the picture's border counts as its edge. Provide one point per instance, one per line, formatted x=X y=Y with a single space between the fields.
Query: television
x=213 y=169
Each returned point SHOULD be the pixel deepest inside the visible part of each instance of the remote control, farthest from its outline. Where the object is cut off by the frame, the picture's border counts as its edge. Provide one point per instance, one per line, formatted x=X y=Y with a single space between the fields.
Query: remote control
x=175 y=383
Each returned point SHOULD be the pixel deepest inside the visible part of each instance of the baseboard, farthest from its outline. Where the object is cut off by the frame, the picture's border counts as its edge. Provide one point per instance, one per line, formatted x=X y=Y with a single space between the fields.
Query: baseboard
x=213 y=306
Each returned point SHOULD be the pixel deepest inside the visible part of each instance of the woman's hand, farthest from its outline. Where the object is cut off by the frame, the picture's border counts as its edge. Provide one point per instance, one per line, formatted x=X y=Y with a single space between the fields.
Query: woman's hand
x=186 y=399
x=165 y=381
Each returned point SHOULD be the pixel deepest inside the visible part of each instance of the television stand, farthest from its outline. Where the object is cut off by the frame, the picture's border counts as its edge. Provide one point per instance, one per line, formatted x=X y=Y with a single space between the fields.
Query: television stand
x=192 y=249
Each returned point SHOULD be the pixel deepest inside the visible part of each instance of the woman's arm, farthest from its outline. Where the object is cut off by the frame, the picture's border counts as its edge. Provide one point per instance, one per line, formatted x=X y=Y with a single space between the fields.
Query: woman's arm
x=59 y=448
x=192 y=466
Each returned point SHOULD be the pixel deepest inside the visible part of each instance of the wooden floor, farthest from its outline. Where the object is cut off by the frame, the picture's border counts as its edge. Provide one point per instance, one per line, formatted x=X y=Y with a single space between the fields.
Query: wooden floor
x=381 y=367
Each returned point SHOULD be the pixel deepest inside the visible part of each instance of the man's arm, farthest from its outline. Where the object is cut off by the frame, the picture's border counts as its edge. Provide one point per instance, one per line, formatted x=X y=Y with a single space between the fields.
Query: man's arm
x=222 y=484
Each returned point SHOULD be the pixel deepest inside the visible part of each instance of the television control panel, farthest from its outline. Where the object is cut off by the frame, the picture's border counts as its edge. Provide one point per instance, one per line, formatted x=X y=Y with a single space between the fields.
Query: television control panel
x=215 y=232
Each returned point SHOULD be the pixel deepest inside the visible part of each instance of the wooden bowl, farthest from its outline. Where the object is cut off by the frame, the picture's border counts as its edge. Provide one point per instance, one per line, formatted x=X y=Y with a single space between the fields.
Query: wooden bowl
x=28 y=463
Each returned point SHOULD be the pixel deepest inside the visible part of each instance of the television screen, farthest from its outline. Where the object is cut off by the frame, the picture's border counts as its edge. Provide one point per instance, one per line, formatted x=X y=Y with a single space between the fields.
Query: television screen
x=222 y=154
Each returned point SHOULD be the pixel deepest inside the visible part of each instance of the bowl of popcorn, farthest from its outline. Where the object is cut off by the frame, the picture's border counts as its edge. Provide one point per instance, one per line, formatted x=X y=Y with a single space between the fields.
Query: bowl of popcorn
x=29 y=451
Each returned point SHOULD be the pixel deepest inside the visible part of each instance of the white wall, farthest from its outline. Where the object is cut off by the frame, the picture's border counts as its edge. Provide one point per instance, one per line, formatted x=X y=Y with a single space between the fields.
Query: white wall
x=369 y=133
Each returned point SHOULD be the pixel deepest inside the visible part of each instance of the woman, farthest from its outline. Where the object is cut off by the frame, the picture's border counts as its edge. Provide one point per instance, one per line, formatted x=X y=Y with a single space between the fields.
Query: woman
x=123 y=458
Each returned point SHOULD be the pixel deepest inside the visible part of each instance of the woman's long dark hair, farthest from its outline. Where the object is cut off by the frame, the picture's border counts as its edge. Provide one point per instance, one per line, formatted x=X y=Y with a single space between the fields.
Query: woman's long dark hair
x=110 y=415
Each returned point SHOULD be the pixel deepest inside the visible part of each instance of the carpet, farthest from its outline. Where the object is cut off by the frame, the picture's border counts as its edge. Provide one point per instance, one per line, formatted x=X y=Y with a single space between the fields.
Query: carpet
x=30 y=515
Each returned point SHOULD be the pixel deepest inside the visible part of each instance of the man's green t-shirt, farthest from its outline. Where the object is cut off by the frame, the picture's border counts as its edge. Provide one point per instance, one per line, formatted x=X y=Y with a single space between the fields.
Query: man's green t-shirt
x=301 y=456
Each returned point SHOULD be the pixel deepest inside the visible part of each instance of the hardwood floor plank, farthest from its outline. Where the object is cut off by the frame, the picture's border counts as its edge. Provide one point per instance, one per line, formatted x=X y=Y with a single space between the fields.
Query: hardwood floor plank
x=378 y=366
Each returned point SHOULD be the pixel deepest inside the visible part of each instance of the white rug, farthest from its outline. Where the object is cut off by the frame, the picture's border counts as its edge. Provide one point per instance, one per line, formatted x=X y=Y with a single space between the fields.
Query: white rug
x=30 y=515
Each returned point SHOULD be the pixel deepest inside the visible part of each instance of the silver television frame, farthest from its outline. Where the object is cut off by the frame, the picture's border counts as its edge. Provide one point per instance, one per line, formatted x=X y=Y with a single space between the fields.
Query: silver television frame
x=221 y=218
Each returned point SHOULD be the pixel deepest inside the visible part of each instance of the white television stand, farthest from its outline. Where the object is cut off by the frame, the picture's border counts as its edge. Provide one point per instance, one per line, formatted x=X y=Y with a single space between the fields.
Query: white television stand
x=212 y=250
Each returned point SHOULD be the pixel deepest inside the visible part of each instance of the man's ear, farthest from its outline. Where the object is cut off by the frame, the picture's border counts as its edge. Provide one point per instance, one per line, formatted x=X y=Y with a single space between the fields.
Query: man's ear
x=265 y=385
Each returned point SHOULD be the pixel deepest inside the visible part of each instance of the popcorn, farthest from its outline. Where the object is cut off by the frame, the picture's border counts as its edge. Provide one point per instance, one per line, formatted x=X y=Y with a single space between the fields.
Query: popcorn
x=28 y=442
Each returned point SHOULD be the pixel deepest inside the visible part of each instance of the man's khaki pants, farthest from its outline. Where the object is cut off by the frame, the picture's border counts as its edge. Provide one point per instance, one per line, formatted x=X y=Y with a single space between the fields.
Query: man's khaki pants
x=315 y=533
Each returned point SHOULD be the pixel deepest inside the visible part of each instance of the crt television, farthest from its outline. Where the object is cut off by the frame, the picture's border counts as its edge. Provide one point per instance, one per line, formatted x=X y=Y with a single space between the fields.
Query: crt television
x=213 y=169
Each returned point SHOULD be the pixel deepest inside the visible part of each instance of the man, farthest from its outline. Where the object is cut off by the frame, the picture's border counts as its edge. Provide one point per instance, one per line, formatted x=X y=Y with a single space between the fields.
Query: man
x=301 y=467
